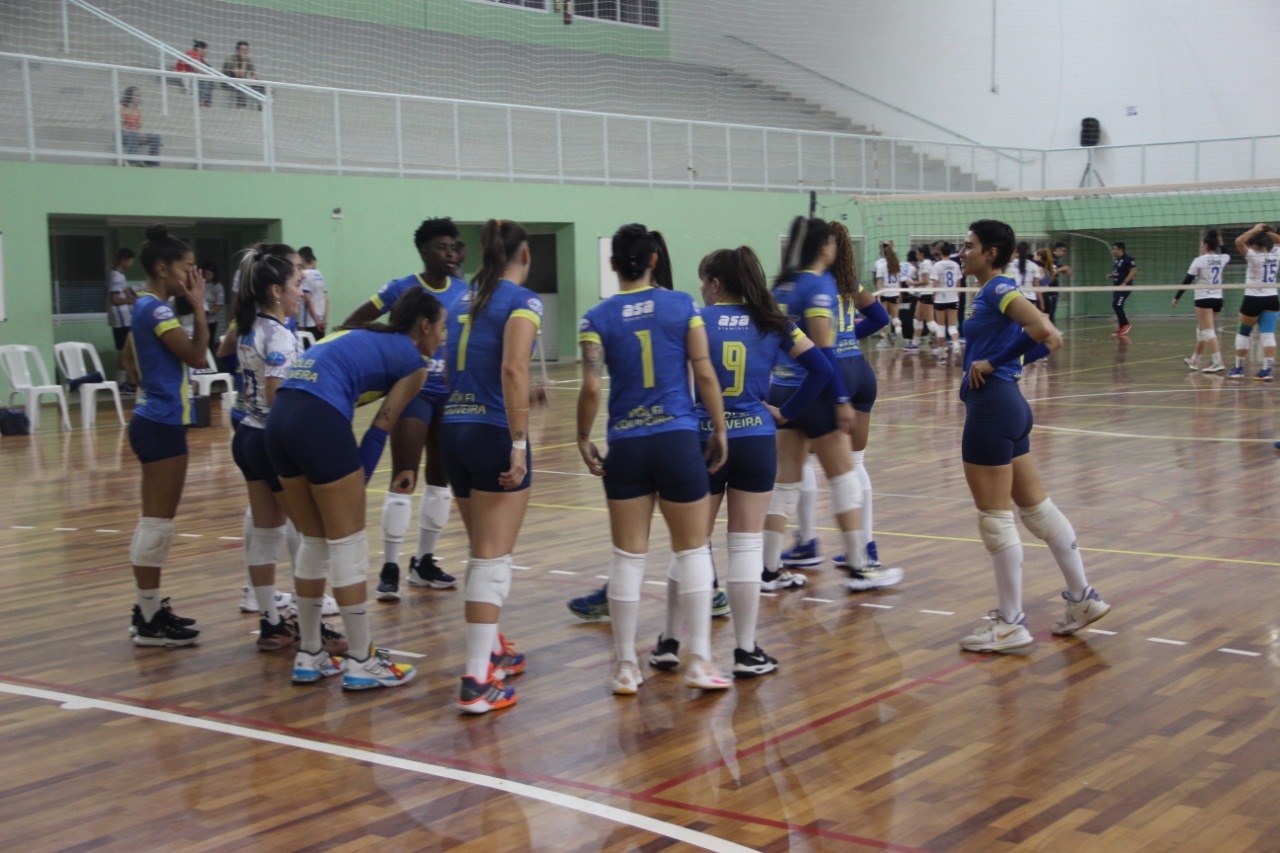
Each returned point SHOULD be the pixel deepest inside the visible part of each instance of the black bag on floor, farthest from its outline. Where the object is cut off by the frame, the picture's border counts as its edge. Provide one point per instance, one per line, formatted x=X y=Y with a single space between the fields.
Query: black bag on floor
x=14 y=422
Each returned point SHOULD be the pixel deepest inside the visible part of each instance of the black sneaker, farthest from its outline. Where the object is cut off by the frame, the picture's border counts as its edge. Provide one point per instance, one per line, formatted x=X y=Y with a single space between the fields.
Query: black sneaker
x=665 y=655
x=389 y=583
x=163 y=630
x=751 y=664
x=165 y=605
x=427 y=572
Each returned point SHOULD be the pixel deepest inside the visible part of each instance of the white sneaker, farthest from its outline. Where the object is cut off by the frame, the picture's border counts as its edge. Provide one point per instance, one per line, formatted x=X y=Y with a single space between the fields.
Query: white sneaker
x=328 y=607
x=377 y=670
x=1090 y=608
x=309 y=667
x=284 y=602
x=998 y=635
x=702 y=675
x=1214 y=368
x=782 y=579
x=872 y=577
x=249 y=603
x=1191 y=363
x=626 y=678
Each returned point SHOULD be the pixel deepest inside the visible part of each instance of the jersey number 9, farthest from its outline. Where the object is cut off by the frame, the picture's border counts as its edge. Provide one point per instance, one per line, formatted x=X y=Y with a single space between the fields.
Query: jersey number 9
x=733 y=355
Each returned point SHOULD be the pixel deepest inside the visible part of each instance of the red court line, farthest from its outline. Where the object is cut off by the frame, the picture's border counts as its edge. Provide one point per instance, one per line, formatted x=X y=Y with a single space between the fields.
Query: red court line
x=487 y=769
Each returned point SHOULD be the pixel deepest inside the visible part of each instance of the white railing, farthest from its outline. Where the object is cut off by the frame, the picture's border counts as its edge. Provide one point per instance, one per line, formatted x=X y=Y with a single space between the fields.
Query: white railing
x=63 y=110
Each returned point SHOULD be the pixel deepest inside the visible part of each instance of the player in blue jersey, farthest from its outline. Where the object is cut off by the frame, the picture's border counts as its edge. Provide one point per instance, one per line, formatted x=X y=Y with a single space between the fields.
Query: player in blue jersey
x=649 y=336
x=314 y=453
x=486 y=445
x=1003 y=329
x=420 y=426
x=159 y=352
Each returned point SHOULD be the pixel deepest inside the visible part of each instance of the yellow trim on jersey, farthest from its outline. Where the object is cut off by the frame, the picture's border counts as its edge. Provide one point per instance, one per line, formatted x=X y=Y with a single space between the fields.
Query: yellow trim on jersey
x=377 y=302
x=167 y=326
x=589 y=338
x=818 y=312
x=425 y=286
x=731 y=302
x=796 y=335
x=695 y=322
x=1007 y=298
x=531 y=316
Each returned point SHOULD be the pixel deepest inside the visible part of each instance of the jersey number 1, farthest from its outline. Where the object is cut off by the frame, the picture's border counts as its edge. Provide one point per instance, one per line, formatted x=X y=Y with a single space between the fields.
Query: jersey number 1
x=646 y=355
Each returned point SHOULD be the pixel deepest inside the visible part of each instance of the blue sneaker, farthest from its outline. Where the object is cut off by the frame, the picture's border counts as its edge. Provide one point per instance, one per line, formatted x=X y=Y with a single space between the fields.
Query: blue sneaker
x=1264 y=375
x=1235 y=373
x=719 y=603
x=591 y=607
x=803 y=556
x=873 y=553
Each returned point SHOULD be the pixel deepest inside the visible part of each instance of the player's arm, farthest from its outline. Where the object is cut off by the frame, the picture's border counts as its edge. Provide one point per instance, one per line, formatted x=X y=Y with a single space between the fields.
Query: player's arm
x=366 y=313
x=589 y=404
x=375 y=438
x=709 y=391
x=129 y=360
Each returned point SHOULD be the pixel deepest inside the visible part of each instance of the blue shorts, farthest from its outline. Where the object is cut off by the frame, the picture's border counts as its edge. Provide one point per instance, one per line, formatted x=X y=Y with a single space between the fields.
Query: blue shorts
x=668 y=463
x=425 y=407
x=997 y=424
x=817 y=419
x=860 y=379
x=153 y=441
x=308 y=437
x=752 y=465
x=476 y=454
x=249 y=450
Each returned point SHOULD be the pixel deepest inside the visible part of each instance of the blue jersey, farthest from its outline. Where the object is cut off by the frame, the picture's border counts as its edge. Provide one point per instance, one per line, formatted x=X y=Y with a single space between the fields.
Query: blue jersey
x=804 y=297
x=847 y=344
x=354 y=366
x=644 y=336
x=475 y=352
x=743 y=356
x=987 y=331
x=164 y=386
x=448 y=295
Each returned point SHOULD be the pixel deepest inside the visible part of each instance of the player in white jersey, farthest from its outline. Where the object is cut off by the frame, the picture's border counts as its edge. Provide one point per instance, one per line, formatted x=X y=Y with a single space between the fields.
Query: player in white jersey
x=888 y=274
x=945 y=277
x=1206 y=272
x=924 y=295
x=120 y=300
x=1261 y=302
x=1027 y=273
x=314 y=311
x=910 y=278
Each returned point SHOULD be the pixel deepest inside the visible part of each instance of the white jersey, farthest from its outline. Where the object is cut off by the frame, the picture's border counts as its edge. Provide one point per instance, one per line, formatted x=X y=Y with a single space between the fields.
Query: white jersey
x=266 y=352
x=946 y=276
x=314 y=286
x=1260 y=271
x=923 y=273
x=119 y=316
x=1035 y=273
x=886 y=281
x=1208 y=272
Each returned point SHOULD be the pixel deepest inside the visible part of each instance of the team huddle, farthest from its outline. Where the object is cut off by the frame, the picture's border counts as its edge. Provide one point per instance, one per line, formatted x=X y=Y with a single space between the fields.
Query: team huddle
x=777 y=371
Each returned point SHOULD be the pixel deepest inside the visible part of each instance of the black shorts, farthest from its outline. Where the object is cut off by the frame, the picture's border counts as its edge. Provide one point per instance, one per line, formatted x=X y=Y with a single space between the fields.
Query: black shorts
x=308 y=437
x=249 y=450
x=894 y=300
x=752 y=465
x=997 y=424
x=476 y=454
x=860 y=380
x=817 y=419
x=1215 y=305
x=669 y=464
x=926 y=298
x=947 y=306
x=120 y=336
x=425 y=407
x=1255 y=306
x=153 y=441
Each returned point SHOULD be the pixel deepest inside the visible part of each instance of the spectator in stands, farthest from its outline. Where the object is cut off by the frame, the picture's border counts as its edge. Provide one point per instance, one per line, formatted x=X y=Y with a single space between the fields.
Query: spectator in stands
x=197 y=52
x=315 y=296
x=132 y=137
x=120 y=299
x=241 y=67
x=215 y=296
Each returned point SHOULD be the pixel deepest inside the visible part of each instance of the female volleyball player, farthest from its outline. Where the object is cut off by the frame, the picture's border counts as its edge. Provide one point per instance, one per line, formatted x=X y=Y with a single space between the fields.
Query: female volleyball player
x=1206 y=272
x=1261 y=302
x=160 y=353
x=647 y=334
x=945 y=277
x=911 y=279
x=1003 y=330
x=924 y=297
x=486 y=445
x=888 y=270
x=1026 y=273
x=314 y=452
x=1049 y=280
x=420 y=426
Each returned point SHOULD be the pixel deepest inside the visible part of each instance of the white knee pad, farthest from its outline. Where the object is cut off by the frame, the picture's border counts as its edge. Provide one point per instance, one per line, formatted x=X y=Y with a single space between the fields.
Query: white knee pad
x=999 y=532
x=808 y=478
x=488 y=581
x=1044 y=520
x=846 y=492
x=1206 y=334
x=746 y=556
x=264 y=547
x=1242 y=342
x=951 y=332
x=292 y=540
x=434 y=512
x=1268 y=340
x=784 y=500
x=693 y=570
x=626 y=575
x=151 y=540
x=934 y=329
x=349 y=560
x=313 y=559
x=396 y=512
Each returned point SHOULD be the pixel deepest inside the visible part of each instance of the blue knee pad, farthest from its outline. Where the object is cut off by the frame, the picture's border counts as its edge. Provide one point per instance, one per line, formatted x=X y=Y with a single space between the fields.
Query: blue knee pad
x=1245 y=330
x=1267 y=322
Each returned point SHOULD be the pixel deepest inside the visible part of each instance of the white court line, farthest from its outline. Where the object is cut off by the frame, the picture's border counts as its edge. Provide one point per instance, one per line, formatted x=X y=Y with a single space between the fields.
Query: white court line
x=1106 y=434
x=602 y=577
x=71 y=702
x=1166 y=642
x=877 y=606
x=939 y=612
x=232 y=538
x=106 y=531
x=656 y=583
x=819 y=600
x=191 y=535
x=559 y=572
x=403 y=654
x=65 y=529
x=1100 y=631
x=20 y=527
x=563 y=473
x=1241 y=652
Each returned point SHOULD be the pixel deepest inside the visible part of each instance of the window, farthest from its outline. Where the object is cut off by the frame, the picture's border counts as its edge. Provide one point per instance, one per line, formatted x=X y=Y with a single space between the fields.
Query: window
x=79 y=273
x=642 y=13
x=540 y=5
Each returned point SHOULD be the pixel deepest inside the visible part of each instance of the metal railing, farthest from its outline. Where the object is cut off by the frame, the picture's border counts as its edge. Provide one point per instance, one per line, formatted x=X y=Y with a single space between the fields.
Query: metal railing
x=63 y=110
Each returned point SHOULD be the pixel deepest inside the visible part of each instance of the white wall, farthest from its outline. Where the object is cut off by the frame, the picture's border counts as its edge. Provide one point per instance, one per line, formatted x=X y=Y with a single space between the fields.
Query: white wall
x=1192 y=70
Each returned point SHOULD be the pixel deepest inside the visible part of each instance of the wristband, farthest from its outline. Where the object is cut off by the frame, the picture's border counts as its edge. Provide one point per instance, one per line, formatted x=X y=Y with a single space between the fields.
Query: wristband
x=520 y=445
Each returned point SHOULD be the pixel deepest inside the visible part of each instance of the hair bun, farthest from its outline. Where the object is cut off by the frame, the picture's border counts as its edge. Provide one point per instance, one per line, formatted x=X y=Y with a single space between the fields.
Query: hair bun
x=156 y=233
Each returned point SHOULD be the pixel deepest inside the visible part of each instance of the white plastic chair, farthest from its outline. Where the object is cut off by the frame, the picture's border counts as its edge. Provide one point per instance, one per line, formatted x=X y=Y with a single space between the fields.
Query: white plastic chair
x=13 y=359
x=71 y=356
x=204 y=378
x=307 y=339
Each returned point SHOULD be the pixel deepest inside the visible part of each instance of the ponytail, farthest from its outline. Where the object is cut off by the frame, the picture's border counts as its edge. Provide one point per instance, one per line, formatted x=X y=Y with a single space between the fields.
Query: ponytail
x=805 y=240
x=261 y=266
x=845 y=267
x=1023 y=250
x=740 y=273
x=891 y=257
x=1213 y=240
x=161 y=247
x=501 y=241
x=632 y=246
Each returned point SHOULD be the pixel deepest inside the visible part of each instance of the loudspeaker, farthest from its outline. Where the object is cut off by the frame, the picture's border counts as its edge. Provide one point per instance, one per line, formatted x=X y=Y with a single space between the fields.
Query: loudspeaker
x=1090 y=130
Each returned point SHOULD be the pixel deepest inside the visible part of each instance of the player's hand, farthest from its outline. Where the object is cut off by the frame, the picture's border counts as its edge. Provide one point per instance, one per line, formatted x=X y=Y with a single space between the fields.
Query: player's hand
x=513 y=477
x=778 y=417
x=405 y=481
x=1174 y=303
x=978 y=373
x=717 y=452
x=194 y=287
x=844 y=418
x=591 y=456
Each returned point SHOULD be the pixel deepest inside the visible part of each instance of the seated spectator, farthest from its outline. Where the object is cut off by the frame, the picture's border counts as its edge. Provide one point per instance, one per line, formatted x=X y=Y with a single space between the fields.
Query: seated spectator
x=241 y=67
x=132 y=137
x=197 y=52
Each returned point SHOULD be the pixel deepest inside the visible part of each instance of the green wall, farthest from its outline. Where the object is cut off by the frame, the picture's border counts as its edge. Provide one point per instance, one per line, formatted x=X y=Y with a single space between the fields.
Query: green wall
x=488 y=21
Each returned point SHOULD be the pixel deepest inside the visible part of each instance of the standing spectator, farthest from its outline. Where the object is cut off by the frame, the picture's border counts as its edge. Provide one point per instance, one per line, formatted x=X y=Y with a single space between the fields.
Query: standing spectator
x=198 y=51
x=120 y=300
x=241 y=67
x=131 y=136
x=215 y=296
x=1122 y=273
x=315 y=296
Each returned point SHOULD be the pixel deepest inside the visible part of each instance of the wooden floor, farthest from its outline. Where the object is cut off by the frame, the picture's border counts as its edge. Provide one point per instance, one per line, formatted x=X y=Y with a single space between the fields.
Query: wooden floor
x=1158 y=731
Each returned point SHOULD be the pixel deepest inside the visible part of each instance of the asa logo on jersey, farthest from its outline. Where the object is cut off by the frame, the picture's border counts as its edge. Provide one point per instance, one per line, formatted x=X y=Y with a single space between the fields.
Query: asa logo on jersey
x=822 y=300
x=162 y=313
x=738 y=321
x=535 y=305
x=635 y=310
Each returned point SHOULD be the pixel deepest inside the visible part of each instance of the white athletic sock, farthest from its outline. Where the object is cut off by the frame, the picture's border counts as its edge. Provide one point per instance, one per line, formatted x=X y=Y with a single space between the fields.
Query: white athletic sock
x=1008 y=569
x=266 y=596
x=309 y=624
x=246 y=529
x=808 y=500
x=1070 y=563
x=1240 y=361
x=865 y=479
x=149 y=603
x=433 y=514
x=480 y=639
x=671 y=629
x=855 y=546
x=355 y=618
x=292 y=541
x=497 y=642
x=772 y=550
x=1268 y=363
x=396 y=510
x=695 y=598
x=744 y=596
